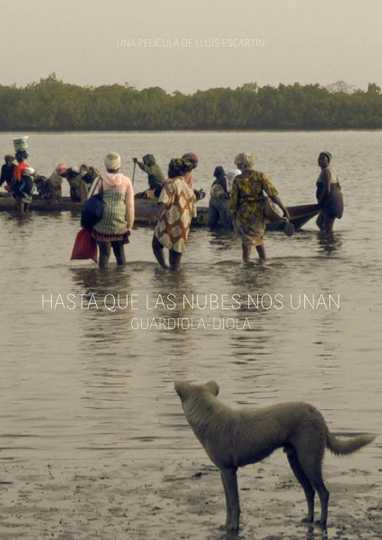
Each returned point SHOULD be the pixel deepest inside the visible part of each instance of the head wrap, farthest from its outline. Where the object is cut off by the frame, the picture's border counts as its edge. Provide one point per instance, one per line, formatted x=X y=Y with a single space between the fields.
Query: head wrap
x=192 y=158
x=220 y=176
x=219 y=172
x=113 y=161
x=245 y=161
x=61 y=168
x=149 y=159
x=178 y=167
x=327 y=154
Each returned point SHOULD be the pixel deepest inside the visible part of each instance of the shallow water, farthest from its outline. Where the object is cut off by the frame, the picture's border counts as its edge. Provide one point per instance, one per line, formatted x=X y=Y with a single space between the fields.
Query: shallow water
x=84 y=381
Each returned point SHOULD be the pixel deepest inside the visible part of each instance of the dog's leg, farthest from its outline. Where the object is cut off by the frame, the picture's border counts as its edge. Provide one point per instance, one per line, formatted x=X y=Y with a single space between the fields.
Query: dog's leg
x=229 y=479
x=323 y=493
x=304 y=481
x=312 y=465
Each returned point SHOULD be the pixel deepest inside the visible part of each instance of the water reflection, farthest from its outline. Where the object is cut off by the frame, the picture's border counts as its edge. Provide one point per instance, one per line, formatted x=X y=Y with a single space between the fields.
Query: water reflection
x=329 y=243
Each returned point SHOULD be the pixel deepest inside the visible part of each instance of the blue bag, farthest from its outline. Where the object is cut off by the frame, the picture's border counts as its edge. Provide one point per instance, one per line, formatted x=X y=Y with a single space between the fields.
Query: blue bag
x=92 y=211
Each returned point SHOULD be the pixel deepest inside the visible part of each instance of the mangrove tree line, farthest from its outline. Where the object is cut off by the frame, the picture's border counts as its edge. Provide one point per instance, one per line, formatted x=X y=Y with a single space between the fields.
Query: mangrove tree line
x=52 y=104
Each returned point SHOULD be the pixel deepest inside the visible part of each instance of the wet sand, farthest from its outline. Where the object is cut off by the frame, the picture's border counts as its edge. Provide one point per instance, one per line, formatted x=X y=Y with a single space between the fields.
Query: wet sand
x=177 y=495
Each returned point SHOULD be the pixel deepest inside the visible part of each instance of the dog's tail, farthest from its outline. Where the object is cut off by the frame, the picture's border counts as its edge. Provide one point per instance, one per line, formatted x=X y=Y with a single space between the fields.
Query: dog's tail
x=342 y=446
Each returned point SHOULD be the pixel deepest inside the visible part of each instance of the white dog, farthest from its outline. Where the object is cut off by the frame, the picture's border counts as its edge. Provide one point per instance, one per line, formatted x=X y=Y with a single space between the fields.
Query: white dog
x=234 y=438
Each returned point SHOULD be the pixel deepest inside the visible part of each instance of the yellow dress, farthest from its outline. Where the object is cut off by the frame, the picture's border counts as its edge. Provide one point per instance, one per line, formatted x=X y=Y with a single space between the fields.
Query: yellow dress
x=248 y=203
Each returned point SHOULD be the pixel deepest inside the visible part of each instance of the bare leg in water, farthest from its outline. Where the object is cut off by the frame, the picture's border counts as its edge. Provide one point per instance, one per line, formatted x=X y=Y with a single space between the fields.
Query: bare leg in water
x=175 y=259
x=104 y=254
x=261 y=252
x=325 y=223
x=158 y=252
x=119 y=253
x=247 y=248
x=328 y=224
x=20 y=206
x=246 y=253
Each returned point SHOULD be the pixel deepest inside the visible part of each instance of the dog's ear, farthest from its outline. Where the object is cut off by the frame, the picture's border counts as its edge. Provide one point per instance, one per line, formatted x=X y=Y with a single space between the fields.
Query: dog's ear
x=181 y=388
x=212 y=387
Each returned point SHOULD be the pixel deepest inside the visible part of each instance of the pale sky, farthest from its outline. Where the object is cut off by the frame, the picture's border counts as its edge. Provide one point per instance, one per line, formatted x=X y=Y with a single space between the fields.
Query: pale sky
x=297 y=40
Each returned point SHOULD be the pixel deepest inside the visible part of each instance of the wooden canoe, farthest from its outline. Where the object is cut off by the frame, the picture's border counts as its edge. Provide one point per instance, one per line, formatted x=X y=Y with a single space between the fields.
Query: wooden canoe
x=146 y=212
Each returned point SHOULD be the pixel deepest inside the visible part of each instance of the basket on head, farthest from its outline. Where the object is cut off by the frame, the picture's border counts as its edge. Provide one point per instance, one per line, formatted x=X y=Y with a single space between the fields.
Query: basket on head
x=21 y=143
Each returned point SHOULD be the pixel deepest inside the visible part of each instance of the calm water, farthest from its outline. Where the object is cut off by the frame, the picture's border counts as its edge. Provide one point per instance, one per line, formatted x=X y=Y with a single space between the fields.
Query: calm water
x=83 y=380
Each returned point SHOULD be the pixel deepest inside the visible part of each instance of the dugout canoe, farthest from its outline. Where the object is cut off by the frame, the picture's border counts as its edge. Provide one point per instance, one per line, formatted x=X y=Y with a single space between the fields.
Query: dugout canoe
x=146 y=212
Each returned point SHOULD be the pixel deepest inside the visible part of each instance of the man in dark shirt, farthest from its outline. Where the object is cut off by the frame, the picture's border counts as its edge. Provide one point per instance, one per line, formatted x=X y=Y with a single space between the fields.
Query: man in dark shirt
x=7 y=171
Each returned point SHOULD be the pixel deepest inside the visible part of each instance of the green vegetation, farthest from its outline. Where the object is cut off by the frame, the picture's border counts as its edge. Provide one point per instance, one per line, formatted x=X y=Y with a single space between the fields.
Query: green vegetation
x=54 y=105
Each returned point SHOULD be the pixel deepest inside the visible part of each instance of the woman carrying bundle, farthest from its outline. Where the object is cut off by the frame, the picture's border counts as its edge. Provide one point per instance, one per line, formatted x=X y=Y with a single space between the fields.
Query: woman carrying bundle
x=249 y=205
x=329 y=195
x=178 y=207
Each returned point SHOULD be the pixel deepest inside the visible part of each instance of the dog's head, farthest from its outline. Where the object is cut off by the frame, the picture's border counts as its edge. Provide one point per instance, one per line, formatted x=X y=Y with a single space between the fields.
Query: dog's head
x=186 y=390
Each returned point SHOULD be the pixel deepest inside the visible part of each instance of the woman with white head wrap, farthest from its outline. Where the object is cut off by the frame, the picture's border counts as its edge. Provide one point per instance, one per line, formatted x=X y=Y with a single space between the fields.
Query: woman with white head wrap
x=248 y=204
x=113 y=230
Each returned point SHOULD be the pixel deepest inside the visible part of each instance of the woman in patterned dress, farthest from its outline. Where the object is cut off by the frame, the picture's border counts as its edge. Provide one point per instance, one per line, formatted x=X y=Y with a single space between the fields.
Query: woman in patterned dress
x=249 y=206
x=178 y=202
x=113 y=230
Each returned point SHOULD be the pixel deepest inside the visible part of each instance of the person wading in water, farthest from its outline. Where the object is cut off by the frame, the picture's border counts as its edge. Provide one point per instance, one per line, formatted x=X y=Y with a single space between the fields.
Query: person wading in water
x=114 y=228
x=328 y=194
x=249 y=205
x=178 y=207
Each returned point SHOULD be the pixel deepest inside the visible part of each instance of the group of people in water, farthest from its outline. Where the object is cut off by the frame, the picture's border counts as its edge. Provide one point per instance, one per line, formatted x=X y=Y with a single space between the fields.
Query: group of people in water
x=243 y=199
x=175 y=195
x=249 y=199
x=20 y=180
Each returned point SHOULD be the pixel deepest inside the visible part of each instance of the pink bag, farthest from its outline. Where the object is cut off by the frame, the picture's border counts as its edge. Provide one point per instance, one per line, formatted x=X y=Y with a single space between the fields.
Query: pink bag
x=85 y=247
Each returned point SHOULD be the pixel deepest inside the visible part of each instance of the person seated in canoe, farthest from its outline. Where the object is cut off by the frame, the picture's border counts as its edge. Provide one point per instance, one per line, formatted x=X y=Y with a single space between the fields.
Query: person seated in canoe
x=194 y=160
x=219 y=215
x=78 y=186
x=44 y=190
x=154 y=175
x=22 y=190
x=328 y=194
x=56 y=179
x=7 y=171
x=72 y=175
x=249 y=205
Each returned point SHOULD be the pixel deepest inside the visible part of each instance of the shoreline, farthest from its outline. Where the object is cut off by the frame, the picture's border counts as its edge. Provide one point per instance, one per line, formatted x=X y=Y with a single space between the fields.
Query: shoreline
x=131 y=495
